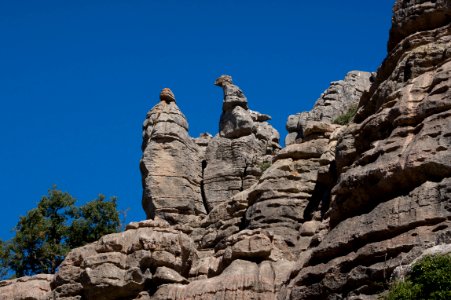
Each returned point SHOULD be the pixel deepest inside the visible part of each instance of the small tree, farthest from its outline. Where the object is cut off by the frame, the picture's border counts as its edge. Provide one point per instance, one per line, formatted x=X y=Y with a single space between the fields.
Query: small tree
x=92 y=221
x=430 y=278
x=45 y=234
x=4 y=259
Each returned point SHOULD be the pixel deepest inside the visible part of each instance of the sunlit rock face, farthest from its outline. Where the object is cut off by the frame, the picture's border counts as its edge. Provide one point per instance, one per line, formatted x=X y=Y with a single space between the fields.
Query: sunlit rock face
x=245 y=141
x=330 y=216
x=392 y=196
x=170 y=165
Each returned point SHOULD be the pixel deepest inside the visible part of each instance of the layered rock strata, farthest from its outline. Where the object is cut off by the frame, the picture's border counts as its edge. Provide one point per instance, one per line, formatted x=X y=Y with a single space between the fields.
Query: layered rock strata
x=334 y=215
x=170 y=165
x=341 y=96
x=245 y=141
x=392 y=198
x=29 y=287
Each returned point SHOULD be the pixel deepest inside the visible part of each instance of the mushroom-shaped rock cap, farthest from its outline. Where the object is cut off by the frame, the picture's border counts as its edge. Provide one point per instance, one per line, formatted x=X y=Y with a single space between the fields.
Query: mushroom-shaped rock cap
x=167 y=95
x=223 y=80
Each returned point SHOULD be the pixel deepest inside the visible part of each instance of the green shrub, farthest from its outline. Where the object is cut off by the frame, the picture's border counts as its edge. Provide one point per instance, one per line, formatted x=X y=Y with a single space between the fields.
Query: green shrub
x=430 y=278
x=265 y=165
x=347 y=117
x=404 y=290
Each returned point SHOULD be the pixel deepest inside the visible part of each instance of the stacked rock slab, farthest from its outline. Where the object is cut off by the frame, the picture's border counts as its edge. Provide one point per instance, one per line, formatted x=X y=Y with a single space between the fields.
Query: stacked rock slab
x=170 y=166
x=233 y=156
x=31 y=288
x=341 y=96
x=122 y=265
x=392 y=199
x=348 y=204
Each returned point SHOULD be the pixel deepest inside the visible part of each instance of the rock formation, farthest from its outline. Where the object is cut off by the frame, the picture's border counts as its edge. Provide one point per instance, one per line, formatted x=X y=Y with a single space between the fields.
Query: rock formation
x=335 y=101
x=333 y=215
x=244 y=142
x=392 y=196
x=34 y=287
x=170 y=165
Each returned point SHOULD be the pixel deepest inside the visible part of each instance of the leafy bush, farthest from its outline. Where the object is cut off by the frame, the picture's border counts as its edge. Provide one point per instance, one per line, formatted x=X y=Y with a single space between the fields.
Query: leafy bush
x=265 y=165
x=346 y=118
x=430 y=278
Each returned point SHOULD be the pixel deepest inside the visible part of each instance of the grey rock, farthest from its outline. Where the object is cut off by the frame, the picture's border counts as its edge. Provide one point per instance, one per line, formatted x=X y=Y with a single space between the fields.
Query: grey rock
x=241 y=280
x=167 y=275
x=233 y=157
x=26 y=288
x=120 y=265
x=171 y=165
x=236 y=123
x=233 y=95
x=335 y=101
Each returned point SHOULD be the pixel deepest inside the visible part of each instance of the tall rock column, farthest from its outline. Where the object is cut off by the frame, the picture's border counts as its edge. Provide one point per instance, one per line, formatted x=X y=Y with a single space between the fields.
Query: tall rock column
x=170 y=165
x=233 y=157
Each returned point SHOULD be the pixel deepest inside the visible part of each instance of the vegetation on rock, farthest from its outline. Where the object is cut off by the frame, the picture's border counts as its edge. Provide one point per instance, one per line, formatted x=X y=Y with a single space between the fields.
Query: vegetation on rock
x=46 y=233
x=347 y=117
x=265 y=165
x=430 y=278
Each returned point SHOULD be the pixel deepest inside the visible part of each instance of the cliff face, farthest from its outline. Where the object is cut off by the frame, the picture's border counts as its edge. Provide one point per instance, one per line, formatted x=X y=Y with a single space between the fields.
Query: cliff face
x=330 y=216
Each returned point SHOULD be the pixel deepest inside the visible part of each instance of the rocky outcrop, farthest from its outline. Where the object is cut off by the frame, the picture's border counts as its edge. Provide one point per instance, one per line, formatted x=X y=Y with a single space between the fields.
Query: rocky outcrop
x=411 y=16
x=392 y=197
x=122 y=265
x=341 y=96
x=171 y=165
x=26 y=288
x=333 y=215
x=245 y=141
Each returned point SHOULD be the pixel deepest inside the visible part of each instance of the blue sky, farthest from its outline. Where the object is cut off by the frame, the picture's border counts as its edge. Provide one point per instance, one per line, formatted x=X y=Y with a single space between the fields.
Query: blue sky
x=77 y=78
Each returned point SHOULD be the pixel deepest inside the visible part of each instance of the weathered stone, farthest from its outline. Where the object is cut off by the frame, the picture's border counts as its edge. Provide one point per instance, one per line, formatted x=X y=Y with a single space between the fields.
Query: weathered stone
x=410 y=16
x=167 y=275
x=171 y=165
x=335 y=101
x=26 y=288
x=236 y=123
x=167 y=95
x=392 y=197
x=241 y=280
x=332 y=216
x=233 y=158
x=120 y=265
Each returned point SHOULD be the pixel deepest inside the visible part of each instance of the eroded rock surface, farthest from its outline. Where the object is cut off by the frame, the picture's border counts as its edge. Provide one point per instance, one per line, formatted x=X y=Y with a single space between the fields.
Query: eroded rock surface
x=234 y=156
x=122 y=265
x=335 y=101
x=330 y=216
x=170 y=165
x=26 y=288
x=392 y=198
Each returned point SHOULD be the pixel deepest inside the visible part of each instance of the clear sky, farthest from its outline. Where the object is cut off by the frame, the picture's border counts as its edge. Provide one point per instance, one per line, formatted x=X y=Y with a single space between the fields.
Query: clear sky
x=77 y=78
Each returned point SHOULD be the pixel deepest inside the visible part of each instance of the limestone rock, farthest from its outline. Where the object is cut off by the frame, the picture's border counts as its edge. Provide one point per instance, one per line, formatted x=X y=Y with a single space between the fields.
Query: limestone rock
x=231 y=167
x=171 y=165
x=167 y=275
x=391 y=198
x=122 y=265
x=410 y=16
x=232 y=157
x=236 y=123
x=335 y=101
x=333 y=215
x=233 y=95
x=241 y=280
x=26 y=288
x=167 y=95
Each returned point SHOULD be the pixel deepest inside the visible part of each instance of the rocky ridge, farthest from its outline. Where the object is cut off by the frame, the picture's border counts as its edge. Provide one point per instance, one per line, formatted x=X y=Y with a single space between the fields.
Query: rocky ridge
x=331 y=216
